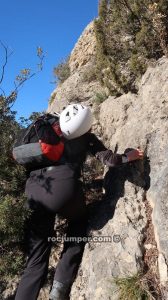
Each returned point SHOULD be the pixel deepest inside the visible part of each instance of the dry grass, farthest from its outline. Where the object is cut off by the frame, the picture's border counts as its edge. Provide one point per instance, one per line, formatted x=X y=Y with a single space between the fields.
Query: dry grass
x=135 y=287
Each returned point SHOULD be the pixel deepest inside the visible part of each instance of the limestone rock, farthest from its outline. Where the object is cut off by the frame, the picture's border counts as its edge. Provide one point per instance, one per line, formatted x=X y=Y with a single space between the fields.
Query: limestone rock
x=120 y=216
x=142 y=121
x=162 y=268
x=74 y=89
x=84 y=50
x=130 y=121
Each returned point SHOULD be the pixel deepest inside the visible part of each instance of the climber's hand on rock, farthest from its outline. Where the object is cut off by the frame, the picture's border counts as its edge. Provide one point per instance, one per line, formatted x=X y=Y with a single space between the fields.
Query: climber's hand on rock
x=135 y=154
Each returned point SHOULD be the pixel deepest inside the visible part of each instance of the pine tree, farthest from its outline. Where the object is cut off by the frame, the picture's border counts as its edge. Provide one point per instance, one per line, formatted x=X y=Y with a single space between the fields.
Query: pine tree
x=12 y=177
x=127 y=39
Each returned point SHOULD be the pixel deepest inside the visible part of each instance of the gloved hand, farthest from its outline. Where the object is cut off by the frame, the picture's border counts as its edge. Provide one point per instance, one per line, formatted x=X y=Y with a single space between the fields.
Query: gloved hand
x=134 y=154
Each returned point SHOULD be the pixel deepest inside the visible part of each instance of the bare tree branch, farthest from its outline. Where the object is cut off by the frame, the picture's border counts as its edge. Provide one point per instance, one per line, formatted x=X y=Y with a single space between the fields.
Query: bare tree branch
x=7 y=55
x=18 y=87
x=25 y=75
x=3 y=92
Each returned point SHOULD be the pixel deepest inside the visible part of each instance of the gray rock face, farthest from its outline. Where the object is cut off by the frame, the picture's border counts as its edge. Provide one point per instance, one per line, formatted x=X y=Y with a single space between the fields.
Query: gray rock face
x=130 y=121
x=84 y=50
x=74 y=89
x=122 y=255
x=143 y=121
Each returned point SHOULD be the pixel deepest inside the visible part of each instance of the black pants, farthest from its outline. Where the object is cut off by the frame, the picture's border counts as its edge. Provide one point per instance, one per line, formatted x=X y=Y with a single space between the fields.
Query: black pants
x=50 y=192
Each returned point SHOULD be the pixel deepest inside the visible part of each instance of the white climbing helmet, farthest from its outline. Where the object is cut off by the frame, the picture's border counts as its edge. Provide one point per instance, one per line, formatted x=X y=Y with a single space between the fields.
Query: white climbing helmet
x=75 y=120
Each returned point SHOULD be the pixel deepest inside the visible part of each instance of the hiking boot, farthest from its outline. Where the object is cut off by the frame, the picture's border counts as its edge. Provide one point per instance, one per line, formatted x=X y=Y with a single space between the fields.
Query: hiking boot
x=60 y=291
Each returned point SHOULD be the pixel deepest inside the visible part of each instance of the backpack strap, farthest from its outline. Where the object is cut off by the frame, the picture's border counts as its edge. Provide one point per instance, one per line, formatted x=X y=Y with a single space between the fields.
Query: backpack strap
x=46 y=119
x=28 y=133
x=33 y=125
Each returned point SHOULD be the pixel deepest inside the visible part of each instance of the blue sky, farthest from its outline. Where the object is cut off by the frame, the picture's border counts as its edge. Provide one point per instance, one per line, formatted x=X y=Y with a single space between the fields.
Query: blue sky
x=53 y=25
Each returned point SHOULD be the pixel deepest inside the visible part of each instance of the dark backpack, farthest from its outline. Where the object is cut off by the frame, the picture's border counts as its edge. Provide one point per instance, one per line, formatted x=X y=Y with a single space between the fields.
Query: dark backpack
x=40 y=144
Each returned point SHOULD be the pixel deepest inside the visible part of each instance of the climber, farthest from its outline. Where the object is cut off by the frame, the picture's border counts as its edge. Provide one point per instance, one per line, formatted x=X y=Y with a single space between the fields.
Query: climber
x=57 y=189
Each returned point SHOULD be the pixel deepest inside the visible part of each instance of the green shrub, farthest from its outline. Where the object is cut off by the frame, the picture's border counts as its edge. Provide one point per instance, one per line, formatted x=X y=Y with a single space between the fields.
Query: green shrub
x=62 y=71
x=137 y=65
x=12 y=217
x=52 y=98
x=11 y=262
x=129 y=34
x=90 y=74
x=12 y=176
x=100 y=97
x=12 y=181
